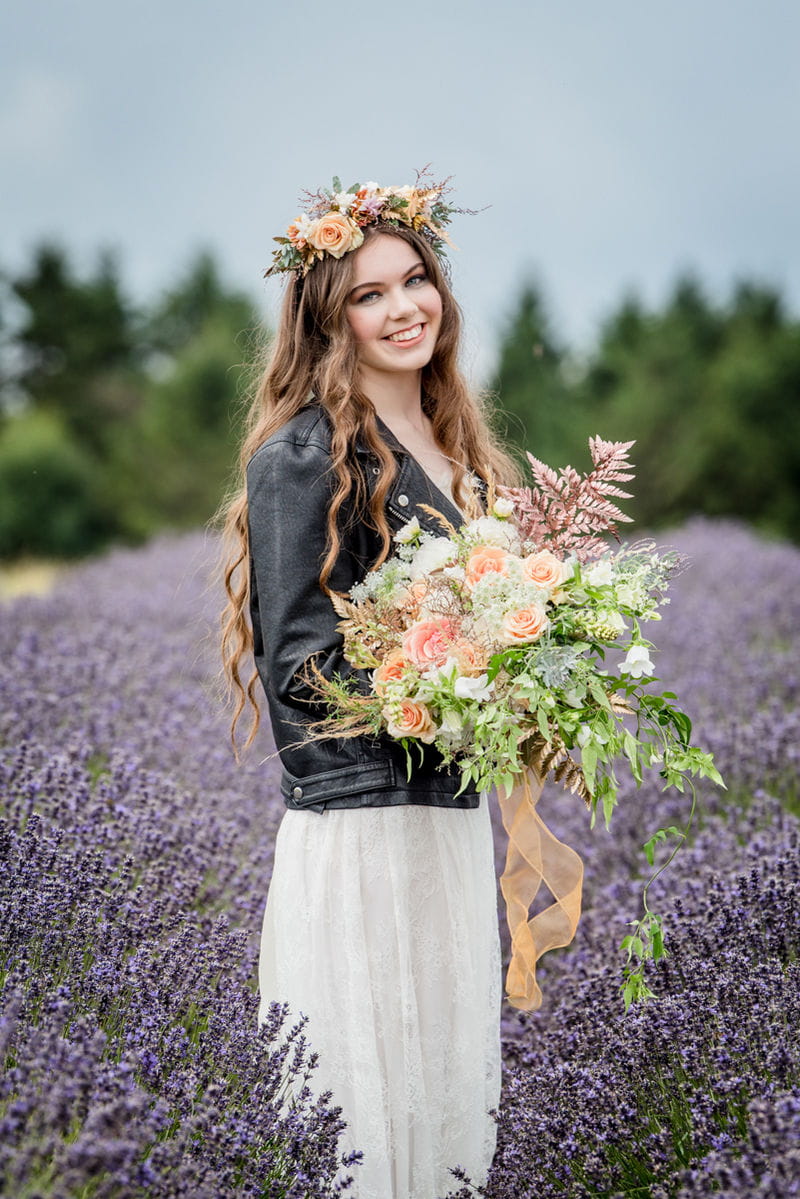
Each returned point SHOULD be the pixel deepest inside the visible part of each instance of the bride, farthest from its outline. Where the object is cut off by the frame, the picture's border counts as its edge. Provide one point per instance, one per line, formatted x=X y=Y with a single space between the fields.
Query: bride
x=380 y=922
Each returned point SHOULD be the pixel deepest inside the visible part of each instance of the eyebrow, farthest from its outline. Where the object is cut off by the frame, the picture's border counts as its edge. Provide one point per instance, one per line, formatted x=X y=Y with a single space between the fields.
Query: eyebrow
x=379 y=282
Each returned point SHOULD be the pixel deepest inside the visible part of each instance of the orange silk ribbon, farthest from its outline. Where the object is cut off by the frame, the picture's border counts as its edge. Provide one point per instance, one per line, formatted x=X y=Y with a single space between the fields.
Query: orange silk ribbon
x=535 y=856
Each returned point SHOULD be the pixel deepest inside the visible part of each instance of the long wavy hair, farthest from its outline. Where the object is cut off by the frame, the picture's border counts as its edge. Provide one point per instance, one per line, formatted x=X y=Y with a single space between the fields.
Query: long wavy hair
x=314 y=353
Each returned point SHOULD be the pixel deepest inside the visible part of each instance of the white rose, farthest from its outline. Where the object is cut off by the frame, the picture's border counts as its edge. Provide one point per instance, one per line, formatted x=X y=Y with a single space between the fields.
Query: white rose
x=432 y=555
x=503 y=507
x=637 y=662
x=599 y=575
x=490 y=531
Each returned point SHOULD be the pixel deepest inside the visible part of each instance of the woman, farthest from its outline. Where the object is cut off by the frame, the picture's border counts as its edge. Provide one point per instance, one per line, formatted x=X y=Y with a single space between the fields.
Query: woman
x=380 y=923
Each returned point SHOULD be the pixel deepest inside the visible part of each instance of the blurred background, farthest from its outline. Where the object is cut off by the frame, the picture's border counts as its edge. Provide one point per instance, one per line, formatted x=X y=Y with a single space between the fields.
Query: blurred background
x=634 y=270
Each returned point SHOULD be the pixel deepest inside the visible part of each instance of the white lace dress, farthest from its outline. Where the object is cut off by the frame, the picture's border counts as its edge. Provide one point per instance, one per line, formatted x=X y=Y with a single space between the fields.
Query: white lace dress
x=381 y=927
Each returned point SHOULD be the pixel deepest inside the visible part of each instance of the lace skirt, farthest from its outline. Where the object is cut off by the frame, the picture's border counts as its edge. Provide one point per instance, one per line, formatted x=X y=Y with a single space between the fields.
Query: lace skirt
x=381 y=927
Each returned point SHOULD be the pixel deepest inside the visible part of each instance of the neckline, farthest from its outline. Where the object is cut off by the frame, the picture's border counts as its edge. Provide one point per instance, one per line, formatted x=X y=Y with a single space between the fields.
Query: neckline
x=394 y=443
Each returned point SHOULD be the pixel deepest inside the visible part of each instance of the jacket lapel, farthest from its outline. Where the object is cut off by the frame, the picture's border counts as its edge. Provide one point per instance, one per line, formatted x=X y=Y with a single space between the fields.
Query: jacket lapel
x=413 y=487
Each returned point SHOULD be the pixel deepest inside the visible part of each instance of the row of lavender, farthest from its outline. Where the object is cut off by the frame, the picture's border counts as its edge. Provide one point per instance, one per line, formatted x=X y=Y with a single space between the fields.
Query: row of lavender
x=136 y=857
x=697 y=1092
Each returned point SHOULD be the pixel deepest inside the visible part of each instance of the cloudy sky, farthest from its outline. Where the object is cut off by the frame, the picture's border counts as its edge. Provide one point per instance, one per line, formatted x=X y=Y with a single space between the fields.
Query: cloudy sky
x=615 y=143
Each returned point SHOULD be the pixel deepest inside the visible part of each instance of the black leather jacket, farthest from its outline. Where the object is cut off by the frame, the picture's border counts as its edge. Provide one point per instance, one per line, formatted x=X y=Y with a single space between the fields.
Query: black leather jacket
x=289 y=486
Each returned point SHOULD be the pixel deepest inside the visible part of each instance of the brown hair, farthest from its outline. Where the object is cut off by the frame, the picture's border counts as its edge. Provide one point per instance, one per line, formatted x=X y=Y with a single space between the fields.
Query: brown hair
x=314 y=353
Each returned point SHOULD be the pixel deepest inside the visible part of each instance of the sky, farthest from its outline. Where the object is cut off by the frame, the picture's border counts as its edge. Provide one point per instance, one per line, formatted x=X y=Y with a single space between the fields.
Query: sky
x=610 y=146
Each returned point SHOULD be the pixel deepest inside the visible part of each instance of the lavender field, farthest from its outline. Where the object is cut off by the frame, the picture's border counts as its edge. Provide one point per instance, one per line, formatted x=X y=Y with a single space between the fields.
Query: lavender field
x=136 y=857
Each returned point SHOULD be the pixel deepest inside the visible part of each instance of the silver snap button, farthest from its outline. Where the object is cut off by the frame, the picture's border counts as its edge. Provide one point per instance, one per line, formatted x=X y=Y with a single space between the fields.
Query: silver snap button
x=297 y=792
x=402 y=501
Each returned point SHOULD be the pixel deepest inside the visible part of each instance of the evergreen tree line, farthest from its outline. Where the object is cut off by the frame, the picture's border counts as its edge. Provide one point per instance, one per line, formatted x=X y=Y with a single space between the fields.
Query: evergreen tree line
x=117 y=420
x=709 y=392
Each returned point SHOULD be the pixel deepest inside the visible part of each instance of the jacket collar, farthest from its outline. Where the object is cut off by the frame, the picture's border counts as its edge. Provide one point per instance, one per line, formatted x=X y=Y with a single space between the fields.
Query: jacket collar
x=412 y=487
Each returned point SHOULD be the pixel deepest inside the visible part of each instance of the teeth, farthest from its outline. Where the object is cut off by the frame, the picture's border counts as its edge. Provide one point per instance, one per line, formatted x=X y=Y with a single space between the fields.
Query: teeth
x=406 y=334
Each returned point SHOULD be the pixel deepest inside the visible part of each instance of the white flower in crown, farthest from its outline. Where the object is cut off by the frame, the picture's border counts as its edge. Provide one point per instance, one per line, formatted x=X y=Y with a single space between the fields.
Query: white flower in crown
x=299 y=229
x=343 y=201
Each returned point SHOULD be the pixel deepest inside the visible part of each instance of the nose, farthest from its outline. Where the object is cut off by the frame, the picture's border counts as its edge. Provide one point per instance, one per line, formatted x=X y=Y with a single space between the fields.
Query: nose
x=401 y=304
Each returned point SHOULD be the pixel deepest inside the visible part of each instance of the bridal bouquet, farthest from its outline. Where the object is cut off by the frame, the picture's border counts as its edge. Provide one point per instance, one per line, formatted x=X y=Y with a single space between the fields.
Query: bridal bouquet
x=515 y=645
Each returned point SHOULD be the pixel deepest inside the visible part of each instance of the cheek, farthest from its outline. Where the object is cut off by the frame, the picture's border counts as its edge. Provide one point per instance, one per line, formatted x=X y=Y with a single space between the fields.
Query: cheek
x=434 y=305
x=362 y=323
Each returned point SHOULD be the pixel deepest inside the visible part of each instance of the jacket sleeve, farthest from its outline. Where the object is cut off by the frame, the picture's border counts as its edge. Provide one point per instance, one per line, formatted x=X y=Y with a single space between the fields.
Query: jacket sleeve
x=289 y=489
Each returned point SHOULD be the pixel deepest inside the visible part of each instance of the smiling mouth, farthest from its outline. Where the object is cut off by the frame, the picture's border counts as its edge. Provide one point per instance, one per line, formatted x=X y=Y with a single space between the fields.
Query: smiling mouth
x=406 y=334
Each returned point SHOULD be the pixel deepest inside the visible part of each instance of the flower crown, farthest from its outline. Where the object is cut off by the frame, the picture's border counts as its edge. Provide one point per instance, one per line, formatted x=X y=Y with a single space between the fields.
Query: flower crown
x=334 y=220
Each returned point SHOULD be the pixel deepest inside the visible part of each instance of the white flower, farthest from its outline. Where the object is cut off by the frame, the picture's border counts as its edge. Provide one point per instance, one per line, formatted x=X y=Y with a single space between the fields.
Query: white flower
x=637 y=662
x=600 y=574
x=615 y=620
x=491 y=531
x=371 y=186
x=503 y=507
x=409 y=532
x=344 y=201
x=451 y=722
x=586 y=734
x=431 y=555
x=479 y=688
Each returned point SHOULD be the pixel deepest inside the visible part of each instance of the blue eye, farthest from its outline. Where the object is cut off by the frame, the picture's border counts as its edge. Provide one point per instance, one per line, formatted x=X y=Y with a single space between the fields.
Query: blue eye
x=416 y=279
x=368 y=295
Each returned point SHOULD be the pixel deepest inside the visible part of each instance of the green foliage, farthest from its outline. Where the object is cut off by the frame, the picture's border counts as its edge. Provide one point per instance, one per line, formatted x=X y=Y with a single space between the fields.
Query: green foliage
x=708 y=391
x=51 y=496
x=114 y=421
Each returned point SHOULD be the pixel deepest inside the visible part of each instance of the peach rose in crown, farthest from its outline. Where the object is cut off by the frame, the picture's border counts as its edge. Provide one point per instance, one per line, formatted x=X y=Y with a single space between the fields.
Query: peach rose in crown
x=390 y=670
x=429 y=642
x=544 y=569
x=526 y=624
x=484 y=560
x=409 y=718
x=334 y=233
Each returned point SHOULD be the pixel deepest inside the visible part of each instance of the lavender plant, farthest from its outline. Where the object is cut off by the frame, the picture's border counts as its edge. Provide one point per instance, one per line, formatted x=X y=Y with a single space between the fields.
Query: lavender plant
x=135 y=862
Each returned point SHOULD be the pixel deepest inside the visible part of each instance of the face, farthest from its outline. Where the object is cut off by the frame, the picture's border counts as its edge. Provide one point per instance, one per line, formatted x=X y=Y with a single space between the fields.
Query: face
x=393 y=308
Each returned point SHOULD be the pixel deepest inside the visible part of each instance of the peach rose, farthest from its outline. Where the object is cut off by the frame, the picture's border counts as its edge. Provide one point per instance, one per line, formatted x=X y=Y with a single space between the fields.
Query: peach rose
x=471 y=660
x=334 y=233
x=544 y=569
x=428 y=642
x=408 y=718
x=526 y=624
x=390 y=670
x=484 y=560
x=417 y=590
